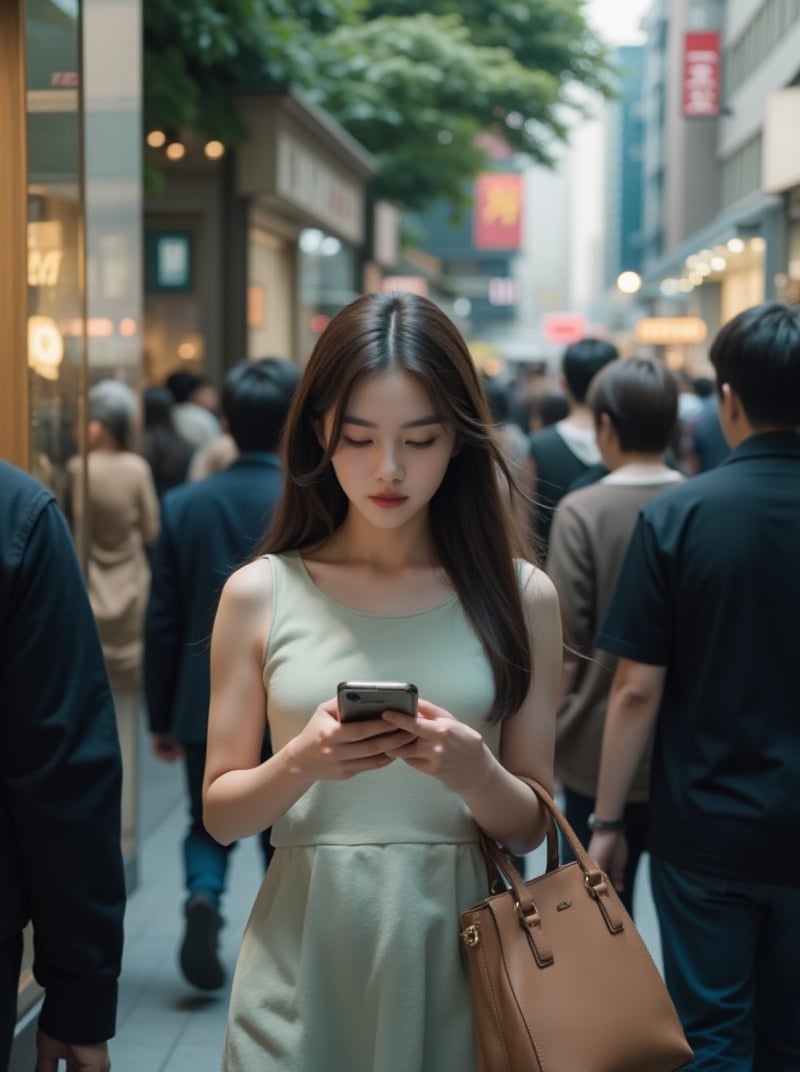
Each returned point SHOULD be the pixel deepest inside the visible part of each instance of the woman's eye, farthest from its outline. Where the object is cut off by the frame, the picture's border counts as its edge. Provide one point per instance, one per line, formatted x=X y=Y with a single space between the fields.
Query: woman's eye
x=356 y=442
x=421 y=444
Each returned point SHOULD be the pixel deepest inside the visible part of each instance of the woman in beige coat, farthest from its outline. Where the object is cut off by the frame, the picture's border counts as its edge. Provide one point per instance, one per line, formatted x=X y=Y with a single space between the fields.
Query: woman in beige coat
x=122 y=515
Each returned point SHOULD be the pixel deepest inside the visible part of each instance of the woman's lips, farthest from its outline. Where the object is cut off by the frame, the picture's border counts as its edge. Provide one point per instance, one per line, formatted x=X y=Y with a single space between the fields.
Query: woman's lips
x=388 y=502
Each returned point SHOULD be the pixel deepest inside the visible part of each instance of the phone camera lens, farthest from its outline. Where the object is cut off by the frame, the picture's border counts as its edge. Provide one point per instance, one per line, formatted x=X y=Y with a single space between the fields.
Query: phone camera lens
x=353 y=696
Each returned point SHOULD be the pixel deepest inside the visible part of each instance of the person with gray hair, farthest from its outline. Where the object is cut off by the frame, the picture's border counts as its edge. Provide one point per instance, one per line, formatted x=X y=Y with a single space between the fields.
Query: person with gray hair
x=119 y=506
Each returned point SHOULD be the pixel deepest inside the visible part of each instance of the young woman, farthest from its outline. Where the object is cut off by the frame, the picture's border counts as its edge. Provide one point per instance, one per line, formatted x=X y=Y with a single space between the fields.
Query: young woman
x=392 y=557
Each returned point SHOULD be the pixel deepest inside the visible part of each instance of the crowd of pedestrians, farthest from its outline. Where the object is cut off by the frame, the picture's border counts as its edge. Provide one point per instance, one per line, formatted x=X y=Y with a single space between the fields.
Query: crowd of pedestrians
x=387 y=515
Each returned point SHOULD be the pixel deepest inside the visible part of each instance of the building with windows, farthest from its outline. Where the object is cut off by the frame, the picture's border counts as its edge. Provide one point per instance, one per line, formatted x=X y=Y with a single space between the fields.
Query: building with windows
x=722 y=171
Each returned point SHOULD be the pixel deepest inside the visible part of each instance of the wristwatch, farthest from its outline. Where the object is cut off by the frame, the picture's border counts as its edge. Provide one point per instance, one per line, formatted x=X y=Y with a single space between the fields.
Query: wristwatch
x=613 y=825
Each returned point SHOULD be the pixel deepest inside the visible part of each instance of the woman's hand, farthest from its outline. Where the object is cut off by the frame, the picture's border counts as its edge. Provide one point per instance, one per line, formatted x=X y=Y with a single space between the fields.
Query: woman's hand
x=441 y=746
x=327 y=749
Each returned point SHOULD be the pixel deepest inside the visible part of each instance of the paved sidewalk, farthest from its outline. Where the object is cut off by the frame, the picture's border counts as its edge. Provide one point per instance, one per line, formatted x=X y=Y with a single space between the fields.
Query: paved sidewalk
x=164 y=1025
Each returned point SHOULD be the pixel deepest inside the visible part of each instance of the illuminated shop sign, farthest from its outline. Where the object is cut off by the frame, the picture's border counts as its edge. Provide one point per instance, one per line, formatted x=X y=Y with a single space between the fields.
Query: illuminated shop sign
x=497 y=223
x=701 y=71
x=670 y=330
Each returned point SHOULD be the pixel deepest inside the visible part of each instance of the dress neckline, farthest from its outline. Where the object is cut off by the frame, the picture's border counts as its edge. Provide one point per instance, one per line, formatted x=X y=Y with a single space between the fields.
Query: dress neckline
x=306 y=575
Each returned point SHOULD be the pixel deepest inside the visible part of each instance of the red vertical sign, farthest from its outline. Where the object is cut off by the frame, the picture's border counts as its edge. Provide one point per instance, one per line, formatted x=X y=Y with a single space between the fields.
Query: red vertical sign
x=498 y=211
x=701 y=74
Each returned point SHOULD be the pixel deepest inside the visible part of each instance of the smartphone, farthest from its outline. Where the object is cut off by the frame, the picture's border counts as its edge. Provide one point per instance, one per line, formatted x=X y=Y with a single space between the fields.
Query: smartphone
x=362 y=700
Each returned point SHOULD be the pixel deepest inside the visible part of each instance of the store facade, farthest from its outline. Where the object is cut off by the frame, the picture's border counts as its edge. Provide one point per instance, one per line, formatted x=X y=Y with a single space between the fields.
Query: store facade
x=70 y=264
x=273 y=237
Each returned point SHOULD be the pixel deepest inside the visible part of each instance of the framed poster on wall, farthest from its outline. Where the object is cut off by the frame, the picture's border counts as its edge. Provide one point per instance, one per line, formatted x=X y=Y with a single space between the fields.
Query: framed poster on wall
x=169 y=262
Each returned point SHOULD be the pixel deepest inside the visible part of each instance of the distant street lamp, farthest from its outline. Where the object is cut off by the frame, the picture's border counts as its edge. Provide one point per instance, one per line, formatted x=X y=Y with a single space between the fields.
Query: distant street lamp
x=629 y=282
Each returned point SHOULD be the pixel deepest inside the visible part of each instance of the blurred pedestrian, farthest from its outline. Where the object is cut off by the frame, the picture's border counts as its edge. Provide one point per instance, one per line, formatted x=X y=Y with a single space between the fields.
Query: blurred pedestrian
x=167 y=453
x=392 y=557
x=122 y=516
x=547 y=409
x=208 y=530
x=704 y=442
x=704 y=619
x=565 y=450
x=635 y=406
x=514 y=444
x=196 y=411
x=60 y=771
x=214 y=456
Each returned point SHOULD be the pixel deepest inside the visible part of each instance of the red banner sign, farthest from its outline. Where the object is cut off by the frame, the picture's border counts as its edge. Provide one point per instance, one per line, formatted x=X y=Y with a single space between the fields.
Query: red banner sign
x=563 y=328
x=701 y=74
x=497 y=223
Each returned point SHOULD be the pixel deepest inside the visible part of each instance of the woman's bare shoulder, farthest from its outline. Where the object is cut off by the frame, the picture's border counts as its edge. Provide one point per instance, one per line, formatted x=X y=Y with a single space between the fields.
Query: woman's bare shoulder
x=538 y=590
x=250 y=587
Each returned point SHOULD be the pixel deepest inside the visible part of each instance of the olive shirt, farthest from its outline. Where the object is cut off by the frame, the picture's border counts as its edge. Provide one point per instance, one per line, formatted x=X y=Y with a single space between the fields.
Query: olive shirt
x=588 y=541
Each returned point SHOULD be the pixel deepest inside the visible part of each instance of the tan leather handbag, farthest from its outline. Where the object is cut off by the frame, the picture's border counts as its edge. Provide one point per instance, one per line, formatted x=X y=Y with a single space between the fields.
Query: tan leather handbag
x=561 y=981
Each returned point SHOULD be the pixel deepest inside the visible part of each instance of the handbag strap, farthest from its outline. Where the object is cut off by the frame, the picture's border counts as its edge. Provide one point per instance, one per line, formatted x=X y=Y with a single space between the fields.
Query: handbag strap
x=595 y=880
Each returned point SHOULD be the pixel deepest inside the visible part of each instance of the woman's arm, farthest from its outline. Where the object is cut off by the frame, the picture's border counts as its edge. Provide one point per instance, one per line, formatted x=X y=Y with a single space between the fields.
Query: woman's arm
x=504 y=806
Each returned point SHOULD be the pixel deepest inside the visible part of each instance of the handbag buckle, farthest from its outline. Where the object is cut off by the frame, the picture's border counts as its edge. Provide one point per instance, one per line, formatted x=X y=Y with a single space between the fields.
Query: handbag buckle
x=471 y=936
x=527 y=921
x=595 y=882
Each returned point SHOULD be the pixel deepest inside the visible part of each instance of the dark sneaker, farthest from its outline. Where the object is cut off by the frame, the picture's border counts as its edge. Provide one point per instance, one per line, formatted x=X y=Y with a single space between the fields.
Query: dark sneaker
x=199 y=956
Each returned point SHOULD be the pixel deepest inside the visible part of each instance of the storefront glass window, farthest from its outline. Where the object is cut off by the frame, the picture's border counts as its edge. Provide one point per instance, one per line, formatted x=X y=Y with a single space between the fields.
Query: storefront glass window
x=327 y=271
x=55 y=325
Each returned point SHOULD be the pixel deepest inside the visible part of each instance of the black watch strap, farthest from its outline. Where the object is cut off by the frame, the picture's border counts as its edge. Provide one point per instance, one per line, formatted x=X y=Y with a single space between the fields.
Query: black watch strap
x=613 y=825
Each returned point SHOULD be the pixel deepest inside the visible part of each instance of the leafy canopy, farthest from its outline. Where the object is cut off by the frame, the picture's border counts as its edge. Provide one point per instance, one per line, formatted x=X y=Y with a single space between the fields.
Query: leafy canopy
x=414 y=83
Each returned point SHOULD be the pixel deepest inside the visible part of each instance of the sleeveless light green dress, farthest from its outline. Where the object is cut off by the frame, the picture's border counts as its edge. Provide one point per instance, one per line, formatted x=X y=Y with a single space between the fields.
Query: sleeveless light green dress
x=351 y=960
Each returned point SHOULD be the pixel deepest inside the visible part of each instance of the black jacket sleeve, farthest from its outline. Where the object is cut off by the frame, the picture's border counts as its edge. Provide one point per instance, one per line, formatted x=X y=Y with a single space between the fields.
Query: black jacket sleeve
x=61 y=781
x=164 y=631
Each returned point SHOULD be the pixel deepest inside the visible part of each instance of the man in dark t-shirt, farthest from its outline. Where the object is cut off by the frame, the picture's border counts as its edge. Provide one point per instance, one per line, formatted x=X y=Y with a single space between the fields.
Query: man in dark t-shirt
x=563 y=452
x=704 y=620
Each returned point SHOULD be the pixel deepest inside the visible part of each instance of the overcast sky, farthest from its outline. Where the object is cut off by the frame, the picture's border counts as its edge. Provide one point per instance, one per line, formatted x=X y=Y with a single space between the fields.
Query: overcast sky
x=618 y=20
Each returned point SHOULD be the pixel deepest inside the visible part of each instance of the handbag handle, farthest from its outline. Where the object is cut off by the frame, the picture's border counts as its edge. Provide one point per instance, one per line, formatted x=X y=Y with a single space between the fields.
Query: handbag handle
x=594 y=879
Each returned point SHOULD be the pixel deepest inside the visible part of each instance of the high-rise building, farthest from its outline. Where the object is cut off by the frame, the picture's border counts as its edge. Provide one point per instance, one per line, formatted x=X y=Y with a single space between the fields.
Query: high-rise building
x=625 y=131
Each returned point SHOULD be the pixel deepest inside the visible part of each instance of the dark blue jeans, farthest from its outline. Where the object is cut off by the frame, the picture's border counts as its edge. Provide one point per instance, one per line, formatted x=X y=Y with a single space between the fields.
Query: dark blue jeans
x=732 y=966
x=205 y=860
x=578 y=808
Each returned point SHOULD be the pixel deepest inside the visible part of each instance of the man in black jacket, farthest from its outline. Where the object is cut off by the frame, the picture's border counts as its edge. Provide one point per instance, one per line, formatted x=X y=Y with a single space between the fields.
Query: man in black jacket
x=209 y=529
x=704 y=621
x=60 y=784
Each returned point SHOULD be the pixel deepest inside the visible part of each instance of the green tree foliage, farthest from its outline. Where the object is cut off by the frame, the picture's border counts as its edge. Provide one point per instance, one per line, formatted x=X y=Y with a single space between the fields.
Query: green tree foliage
x=198 y=54
x=414 y=82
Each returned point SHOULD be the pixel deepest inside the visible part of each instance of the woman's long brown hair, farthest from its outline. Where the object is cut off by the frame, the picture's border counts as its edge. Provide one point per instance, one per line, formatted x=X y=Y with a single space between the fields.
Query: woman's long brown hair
x=471 y=520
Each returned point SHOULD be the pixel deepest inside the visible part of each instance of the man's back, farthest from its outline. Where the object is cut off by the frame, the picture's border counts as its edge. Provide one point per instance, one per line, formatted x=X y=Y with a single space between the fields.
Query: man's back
x=561 y=454
x=60 y=775
x=721 y=553
x=208 y=530
x=590 y=536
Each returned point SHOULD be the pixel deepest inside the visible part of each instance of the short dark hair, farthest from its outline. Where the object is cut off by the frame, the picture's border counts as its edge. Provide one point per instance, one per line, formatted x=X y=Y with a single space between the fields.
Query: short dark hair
x=758 y=354
x=182 y=383
x=582 y=361
x=497 y=396
x=255 y=401
x=552 y=407
x=640 y=397
x=703 y=387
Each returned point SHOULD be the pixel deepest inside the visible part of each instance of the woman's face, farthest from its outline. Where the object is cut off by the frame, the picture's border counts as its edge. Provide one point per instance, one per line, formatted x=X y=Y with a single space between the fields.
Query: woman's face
x=394 y=449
